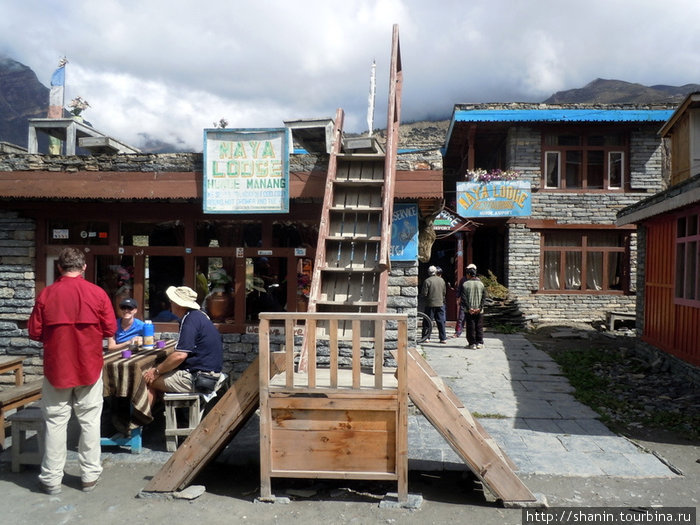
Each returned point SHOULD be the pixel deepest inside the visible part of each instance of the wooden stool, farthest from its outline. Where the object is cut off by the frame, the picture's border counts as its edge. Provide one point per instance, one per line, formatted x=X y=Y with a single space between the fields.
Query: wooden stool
x=22 y=421
x=195 y=408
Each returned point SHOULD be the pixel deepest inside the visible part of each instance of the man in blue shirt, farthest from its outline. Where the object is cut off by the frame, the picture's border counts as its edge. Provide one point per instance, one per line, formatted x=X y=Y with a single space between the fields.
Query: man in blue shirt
x=198 y=350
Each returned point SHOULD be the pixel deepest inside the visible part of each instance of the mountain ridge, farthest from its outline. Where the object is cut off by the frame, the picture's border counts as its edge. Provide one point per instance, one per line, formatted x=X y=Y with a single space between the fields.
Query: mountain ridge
x=22 y=97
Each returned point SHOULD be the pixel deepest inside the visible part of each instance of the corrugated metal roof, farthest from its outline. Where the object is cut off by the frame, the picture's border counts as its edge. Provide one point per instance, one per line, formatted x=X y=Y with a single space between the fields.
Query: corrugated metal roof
x=113 y=185
x=562 y=115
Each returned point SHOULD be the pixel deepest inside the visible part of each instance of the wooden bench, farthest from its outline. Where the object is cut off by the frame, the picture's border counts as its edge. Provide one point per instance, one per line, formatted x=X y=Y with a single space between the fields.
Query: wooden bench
x=13 y=363
x=17 y=397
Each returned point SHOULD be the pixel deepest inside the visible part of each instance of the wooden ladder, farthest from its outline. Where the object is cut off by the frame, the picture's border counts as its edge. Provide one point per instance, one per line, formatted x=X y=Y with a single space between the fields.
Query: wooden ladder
x=352 y=265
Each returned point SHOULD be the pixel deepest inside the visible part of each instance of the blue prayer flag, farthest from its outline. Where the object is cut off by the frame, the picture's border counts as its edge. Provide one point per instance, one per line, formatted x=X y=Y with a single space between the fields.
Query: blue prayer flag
x=59 y=77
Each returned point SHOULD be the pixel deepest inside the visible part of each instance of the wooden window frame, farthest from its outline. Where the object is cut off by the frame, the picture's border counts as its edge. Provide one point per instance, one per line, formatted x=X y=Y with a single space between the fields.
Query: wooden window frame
x=585 y=249
x=584 y=148
x=686 y=268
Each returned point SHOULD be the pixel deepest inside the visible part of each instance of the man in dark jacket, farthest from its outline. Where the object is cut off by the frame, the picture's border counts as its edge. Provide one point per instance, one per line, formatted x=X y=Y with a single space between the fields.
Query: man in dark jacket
x=433 y=290
x=473 y=295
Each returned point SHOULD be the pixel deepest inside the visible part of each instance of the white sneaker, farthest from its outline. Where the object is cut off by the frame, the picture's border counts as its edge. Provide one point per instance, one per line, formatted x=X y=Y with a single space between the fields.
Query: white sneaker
x=479 y=346
x=470 y=347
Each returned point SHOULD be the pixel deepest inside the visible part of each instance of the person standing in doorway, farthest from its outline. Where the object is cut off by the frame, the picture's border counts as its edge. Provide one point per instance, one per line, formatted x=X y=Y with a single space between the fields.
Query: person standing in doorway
x=71 y=318
x=434 y=290
x=472 y=297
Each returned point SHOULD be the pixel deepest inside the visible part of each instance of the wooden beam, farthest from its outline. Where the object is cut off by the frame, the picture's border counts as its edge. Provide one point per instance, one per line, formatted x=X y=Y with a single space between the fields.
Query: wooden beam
x=215 y=431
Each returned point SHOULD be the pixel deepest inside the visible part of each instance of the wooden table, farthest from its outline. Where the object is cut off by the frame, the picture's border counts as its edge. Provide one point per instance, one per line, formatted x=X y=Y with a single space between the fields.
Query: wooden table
x=123 y=378
x=10 y=363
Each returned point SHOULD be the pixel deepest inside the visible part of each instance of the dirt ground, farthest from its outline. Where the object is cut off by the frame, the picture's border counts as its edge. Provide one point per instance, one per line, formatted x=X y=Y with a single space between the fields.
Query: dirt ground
x=230 y=495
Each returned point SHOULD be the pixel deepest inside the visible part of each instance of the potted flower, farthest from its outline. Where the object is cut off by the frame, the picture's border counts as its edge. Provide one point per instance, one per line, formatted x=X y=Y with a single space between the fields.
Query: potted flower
x=77 y=106
x=481 y=175
x=218 y=304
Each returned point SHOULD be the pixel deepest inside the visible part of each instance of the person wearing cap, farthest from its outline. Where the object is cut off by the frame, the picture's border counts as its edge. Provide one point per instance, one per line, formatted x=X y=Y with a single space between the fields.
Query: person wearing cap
x=199 y=348
x=433 y=290
x=472 y=296
x=129 y=328
x=461 y=313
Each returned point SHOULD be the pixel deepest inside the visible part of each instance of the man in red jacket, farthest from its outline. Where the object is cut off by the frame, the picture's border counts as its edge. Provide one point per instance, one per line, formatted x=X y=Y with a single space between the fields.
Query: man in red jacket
x=71 y=318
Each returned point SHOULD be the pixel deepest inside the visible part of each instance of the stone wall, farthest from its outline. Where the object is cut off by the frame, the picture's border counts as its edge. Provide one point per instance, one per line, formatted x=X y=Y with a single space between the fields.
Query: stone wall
x=523 y=266
x=17 y=265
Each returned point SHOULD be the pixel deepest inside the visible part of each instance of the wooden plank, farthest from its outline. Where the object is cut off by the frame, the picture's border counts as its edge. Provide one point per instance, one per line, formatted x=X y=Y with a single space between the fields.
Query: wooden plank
x=436 y=403
x=334 y=353
x=357 y=450
x=215 y=431
x=332 y=419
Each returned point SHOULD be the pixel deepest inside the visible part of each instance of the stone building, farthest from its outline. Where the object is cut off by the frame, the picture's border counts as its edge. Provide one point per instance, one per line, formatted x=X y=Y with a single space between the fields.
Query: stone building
x=139 y=219
x=576 y=165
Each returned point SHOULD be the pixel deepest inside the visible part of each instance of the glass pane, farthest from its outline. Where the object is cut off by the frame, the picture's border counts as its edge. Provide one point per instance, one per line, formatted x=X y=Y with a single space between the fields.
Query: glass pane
x=692 y=225
x=75 y=232
x=215 y=286
x=573 y=271
x=562 y=239
x=615 y=169
x=690 y=270
x=680 y=274
x=161 y=272
x=614 y=271
x=552 y=261
x=609 y=239
x=167 y=233
x=595 y=169
x=115 y=274
x=680 y=231
x=266 y=286
x=594 y=270
x=573 y=169
x=552 y=169
x=569 y=140
x=596 y=140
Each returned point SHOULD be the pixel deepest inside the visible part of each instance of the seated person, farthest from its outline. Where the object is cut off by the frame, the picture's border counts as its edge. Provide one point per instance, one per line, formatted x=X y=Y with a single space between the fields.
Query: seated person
x=199 y=348
x=129 y=329
x=165 y=314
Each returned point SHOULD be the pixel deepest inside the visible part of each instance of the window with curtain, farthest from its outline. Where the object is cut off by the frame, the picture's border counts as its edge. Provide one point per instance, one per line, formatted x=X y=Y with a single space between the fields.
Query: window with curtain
x=589 y=261
x=688 y=259
x=586 y=160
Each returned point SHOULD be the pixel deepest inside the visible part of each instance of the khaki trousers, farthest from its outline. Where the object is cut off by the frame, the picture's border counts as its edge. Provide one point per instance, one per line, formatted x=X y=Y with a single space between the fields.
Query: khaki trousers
x=56 y=407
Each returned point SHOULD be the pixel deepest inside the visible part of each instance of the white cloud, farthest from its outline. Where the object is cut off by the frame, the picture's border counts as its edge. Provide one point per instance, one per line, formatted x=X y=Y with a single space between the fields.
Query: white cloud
x=169 y=68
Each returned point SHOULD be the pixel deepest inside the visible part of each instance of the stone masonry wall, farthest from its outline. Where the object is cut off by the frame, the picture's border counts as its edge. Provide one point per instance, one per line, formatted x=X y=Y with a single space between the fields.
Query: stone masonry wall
x=523 y=265
x=17 y=265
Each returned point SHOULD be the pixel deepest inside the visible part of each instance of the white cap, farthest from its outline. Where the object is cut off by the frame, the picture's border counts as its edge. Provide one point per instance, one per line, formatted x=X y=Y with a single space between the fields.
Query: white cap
x=471 y=267
x=432 y=270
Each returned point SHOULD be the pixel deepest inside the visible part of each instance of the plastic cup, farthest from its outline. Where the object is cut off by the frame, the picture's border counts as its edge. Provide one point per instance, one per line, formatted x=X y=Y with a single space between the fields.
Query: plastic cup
x=160 y=344
x=126 y=354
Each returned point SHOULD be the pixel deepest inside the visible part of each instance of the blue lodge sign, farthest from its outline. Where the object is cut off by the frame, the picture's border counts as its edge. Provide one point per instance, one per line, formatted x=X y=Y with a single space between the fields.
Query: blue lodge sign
x=506 y=198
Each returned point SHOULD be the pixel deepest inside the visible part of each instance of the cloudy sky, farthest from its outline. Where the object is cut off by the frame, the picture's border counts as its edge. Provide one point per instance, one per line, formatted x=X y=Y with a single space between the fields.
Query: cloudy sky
x=167 y=69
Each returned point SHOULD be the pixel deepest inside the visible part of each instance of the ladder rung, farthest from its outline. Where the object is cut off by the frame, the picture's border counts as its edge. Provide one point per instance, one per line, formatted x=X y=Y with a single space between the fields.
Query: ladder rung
x=359 y=182
x=361 y=156
x=348 y=303
x=357 y=209
x=354 y=269
x=352 y=237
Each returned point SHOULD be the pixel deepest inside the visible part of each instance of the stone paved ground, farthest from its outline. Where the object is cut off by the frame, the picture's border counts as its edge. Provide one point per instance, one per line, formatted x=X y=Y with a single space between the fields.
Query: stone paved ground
x=522 y=399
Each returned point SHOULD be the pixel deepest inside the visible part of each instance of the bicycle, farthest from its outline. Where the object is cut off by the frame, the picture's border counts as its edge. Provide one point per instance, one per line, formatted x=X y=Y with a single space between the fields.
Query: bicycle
x=424 y=327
